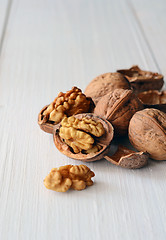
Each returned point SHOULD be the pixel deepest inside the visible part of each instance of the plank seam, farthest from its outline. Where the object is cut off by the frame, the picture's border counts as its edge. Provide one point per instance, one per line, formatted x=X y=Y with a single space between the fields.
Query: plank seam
x=6 y=20
x=143 y=34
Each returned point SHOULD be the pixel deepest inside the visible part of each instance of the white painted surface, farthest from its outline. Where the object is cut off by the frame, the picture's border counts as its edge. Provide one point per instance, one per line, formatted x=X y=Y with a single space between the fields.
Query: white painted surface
x=4 y=13
x=49 y=46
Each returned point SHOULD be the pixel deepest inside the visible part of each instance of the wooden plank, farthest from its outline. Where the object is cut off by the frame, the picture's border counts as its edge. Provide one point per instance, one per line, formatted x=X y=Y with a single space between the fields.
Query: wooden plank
x=49 y=47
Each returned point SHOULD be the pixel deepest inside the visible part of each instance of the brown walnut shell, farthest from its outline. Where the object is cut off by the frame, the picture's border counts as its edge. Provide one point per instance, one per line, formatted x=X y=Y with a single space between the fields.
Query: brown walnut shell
x=147 y=132
x=118 y=107
x=153 y=99
x=45 y=125
x=104 y=141
x=127 y=158
x=141 y=80
x=104 y=84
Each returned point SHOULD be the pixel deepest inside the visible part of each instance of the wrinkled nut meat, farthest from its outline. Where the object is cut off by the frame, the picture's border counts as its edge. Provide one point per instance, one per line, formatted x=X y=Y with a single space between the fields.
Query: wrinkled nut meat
x=147 y=132
x=76 y=133
x=153 y=99
x=79 y=133
x=127 y=158
x=66 y=104
x=142 y=80
x=84 y=137
x=77 y=177
x=118 y=107
x=104 y=84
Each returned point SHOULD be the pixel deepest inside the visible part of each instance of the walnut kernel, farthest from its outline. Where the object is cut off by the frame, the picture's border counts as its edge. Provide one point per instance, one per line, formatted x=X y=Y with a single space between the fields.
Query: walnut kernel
x=69 y=176
x=79 y=133
x=67 y=104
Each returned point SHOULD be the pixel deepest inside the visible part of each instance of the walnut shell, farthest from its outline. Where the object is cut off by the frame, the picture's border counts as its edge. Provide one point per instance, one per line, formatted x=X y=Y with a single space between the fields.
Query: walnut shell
x=147 y=132
x=141 y=80
x=104 y=84
x=127 y=158
x=104 y=141
x=153 y=99
x=44 y=124
x=118 y=107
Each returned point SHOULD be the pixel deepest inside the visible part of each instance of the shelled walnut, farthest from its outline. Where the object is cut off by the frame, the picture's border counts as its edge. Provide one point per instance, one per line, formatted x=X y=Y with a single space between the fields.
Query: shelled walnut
x=142 y=80
x=78 y=133
x=153 y=99
x=77 y=177
x=84 y=137
x=104 y=84
x=65 y=104
x=147 y=132
x=118 y=107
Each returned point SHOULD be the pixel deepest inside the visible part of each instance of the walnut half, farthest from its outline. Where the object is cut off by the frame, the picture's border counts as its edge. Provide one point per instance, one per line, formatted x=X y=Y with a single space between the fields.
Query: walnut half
x=84 y=137
x=69 y=176
x=67 y=104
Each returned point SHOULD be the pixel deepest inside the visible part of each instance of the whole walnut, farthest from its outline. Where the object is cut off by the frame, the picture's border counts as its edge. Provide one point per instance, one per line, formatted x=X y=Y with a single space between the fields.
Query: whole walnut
x=147 y=132
x=118 y=107
x=104 y=84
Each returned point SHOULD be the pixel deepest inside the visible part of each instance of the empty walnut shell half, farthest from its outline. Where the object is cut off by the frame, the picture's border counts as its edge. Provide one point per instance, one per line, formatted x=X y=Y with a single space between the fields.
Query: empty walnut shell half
x=147 y=132
x=104 y=84
x=118 y=107
x=141 y=80
x=65 y=104
x=127 y=158
x=153 y=99
x=87 y=156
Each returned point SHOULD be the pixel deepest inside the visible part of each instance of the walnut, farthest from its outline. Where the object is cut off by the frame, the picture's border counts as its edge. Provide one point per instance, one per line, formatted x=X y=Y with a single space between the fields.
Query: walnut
x=142 y=80
x=104 y=84
x=94 y=149
x=147 y=132
x=153 y=99
x=118 y=107
x=64 y=105
x=77 y=133
x=69 y=176
x=127 y=158
x=84 y=137
x=81 y=176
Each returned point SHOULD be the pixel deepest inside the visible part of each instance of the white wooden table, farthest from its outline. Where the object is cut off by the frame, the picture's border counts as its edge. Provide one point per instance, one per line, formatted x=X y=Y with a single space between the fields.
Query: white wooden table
x=50 y=46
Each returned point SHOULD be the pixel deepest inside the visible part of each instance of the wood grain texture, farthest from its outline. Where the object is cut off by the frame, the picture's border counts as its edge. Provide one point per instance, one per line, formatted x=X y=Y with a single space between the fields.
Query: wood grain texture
x=150 y=17
x=48 y=47
x=4 y=15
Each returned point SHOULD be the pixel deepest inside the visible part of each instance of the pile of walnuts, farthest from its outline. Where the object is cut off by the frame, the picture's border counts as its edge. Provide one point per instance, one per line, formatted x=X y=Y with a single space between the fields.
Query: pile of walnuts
x=127 y=102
